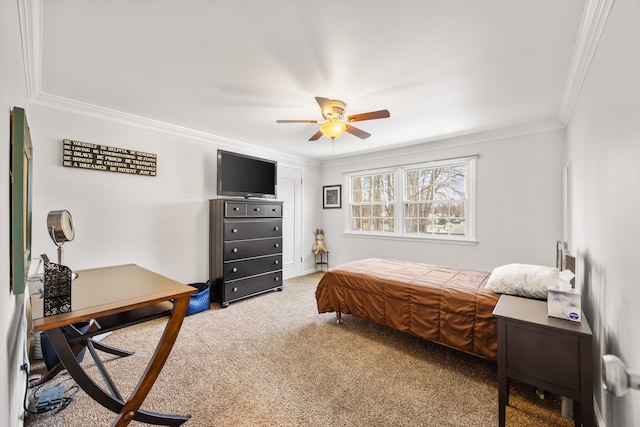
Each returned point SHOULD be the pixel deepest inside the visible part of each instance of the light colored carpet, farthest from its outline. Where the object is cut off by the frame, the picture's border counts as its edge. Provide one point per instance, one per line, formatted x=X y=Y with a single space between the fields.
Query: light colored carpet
x=272 y=360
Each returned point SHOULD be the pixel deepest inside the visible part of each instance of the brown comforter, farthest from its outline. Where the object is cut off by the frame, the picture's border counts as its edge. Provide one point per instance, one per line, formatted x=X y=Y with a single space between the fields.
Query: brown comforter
x=446 y=305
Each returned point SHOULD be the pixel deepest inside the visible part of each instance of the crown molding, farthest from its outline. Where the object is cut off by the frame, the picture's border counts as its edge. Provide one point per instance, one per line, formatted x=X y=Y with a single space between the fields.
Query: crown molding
x=77 y=107
x=594 y=19
x=30 y=21
x=449 y=141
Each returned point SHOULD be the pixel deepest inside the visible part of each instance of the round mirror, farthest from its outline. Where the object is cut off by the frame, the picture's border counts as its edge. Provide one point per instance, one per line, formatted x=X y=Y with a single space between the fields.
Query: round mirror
x=60 y=225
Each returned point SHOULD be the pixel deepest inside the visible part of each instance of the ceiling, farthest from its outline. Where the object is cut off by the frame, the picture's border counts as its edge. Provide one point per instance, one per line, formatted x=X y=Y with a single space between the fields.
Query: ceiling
x=228 y=70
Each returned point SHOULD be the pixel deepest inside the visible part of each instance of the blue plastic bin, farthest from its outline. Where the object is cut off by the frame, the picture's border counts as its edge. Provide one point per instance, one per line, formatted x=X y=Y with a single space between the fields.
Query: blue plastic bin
x=200 y=300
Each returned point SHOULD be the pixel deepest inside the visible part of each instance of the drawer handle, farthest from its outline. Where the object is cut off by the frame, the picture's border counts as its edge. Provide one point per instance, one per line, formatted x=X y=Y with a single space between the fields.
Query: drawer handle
x=236 y=209
x=235 y=230
x=235 y=289
x=276 y=262
x=257 y=209
x=277 y=279
x=276 y=228
x=234 y=250
x=277 y=245
x=234 y=270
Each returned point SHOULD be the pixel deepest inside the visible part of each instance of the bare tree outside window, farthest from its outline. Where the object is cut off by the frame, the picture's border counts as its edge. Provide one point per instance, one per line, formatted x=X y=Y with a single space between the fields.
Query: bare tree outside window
x=435 y=199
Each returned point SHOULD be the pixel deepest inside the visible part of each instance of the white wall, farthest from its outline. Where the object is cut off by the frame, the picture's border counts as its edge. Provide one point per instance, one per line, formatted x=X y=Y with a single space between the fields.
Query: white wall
x=160 y=222
x=13 y=92
x=519 y=203
x=603 y=148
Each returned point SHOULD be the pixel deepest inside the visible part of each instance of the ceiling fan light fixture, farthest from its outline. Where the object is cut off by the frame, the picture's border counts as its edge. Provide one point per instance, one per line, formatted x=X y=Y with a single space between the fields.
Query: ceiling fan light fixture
x=333 y=129
x=335 y=123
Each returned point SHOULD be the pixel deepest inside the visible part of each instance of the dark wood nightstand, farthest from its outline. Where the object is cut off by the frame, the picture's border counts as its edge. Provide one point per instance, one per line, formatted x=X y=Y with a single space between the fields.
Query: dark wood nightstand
x=549 y=353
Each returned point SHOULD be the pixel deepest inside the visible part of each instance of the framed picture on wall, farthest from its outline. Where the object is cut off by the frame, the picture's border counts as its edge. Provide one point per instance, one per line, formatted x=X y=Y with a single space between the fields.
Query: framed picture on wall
x=332 y=196
x=20 y=175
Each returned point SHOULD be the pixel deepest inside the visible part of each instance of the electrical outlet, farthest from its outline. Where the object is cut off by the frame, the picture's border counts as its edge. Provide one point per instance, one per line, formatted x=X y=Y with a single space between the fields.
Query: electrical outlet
x=50 y=398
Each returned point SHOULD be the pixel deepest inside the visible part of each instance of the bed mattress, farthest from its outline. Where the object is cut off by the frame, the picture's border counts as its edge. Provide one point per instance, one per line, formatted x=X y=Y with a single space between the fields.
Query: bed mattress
x=447 y=305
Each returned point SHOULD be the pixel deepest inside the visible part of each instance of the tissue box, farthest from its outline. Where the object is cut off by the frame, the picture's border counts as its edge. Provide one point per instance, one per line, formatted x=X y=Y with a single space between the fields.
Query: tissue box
x=564 y=305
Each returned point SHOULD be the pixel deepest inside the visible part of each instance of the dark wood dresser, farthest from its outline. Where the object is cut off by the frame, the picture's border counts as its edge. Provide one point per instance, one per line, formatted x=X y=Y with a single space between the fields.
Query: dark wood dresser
x=551 y=354
x=245 y=248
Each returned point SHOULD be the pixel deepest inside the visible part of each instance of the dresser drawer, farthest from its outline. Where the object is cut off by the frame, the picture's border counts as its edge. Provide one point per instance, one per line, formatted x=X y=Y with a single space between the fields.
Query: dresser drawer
x=274 y=211
x=259 y=229
x=543 y=355
x=237 y=289
x=251 y=267
x=233 y=209
x=251 y=248
x=252 y=210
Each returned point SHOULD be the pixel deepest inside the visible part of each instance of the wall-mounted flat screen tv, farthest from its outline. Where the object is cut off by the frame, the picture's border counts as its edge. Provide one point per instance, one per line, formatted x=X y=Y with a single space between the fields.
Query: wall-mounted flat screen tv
x=246 y=176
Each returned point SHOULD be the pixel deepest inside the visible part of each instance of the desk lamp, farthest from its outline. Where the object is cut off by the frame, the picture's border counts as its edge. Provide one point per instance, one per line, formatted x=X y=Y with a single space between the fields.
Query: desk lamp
x=60 y=226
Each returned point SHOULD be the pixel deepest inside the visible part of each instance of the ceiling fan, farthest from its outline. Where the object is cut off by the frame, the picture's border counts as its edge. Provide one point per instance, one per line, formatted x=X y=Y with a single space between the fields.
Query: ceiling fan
x=335 y=123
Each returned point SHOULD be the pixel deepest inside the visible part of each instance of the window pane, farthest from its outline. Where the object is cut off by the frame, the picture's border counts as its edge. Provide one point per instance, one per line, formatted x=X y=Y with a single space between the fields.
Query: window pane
x=443 y=183
x=389 y=225
x=373 y=188
x=425 y=226
x=442 y=193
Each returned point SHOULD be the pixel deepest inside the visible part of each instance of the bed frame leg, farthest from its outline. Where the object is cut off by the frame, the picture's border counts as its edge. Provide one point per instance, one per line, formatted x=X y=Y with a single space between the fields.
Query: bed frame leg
x=338 y=317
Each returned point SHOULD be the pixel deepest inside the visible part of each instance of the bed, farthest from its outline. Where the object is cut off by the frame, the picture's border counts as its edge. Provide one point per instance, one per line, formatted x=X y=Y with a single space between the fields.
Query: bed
x=450 y=306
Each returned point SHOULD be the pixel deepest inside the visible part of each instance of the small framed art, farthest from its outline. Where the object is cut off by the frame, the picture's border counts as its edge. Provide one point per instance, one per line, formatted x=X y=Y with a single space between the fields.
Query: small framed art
x=332 y=196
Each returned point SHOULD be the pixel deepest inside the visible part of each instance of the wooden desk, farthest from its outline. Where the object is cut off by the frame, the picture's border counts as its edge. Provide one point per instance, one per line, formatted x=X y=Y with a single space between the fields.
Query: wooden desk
x=549 y=353
x=105 y=293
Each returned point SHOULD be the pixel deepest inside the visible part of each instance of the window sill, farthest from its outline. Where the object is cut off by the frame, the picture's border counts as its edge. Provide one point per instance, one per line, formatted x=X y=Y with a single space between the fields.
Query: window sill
x=421 y=238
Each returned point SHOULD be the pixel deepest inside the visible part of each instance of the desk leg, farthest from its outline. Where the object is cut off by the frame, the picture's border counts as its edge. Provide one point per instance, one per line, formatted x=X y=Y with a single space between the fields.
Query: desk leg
x=79 y=346
x=111 y=350
x=128 y=411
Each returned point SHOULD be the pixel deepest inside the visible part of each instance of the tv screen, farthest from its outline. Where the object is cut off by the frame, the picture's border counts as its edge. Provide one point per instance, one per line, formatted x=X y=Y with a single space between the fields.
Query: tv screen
x=246 y=176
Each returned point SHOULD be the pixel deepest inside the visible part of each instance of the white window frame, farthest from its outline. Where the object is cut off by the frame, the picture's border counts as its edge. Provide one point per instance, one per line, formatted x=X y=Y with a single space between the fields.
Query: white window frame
x=400 y=200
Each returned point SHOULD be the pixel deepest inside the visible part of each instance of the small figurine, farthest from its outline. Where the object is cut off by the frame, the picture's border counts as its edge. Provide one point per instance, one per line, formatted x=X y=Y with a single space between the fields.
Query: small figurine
x=319 y=245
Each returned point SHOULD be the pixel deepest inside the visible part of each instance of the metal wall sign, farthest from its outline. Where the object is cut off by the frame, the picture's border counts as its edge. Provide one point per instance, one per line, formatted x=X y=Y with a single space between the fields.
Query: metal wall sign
x=83 y=155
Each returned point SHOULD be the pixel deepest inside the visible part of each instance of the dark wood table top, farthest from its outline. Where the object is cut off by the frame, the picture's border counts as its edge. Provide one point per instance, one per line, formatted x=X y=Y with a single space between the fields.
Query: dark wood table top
x=104 y=291
x=535 y=312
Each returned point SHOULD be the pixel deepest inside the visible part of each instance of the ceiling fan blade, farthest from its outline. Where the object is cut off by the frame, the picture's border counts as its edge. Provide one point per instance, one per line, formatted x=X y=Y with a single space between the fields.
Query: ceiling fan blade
x=357 y=132
x=296 y=121
x=316 y=136
x=380 y=114
x=325 y=105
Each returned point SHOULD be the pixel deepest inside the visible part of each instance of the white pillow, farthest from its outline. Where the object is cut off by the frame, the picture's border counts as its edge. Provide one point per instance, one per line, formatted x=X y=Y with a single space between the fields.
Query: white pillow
x=524 y=280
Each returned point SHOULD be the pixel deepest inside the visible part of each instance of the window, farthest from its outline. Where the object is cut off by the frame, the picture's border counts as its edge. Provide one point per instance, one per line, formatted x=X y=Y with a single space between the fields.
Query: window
x=372 y=202
x=430 y=200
